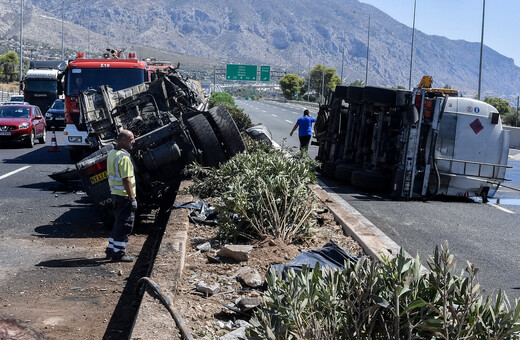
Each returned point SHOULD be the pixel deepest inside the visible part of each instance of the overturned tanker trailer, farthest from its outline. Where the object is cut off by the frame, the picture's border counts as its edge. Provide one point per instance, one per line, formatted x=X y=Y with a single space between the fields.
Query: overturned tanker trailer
x=170 y=130
x=412 y=144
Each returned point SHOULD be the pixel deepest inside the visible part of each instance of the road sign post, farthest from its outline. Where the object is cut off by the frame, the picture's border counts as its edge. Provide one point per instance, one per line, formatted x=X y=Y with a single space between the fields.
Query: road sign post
x=265 y=73
x=241 y=72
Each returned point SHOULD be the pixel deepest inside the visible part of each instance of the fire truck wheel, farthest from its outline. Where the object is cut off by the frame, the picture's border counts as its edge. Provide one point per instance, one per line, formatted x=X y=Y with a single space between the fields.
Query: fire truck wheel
x=372 y=181
x=344 y=172
x=379 y=95
x=226 y=130
x=328 y=169
x=205 y=139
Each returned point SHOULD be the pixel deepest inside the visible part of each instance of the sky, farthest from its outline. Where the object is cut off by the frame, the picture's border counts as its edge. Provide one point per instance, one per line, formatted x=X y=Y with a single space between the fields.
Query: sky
x=462 y=19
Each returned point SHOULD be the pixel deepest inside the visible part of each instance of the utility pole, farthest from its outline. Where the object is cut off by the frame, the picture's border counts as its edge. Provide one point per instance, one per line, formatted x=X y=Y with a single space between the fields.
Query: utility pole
x=342 y=57
x=323 y=85
x=309 y=80
x=21 y=44
x=481 y=49
x=411 y=53
x=298 y=78
x=214 y=78
x=62 y=13
x=517 y=102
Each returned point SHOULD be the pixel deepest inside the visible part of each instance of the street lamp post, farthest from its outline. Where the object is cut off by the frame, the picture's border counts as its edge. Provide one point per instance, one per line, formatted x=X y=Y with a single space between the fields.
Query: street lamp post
x=368 y=49
x=342 y=57
x=21 y=44
x=411 y=53
x=368 y=45
x=481 y=49
x=62 y=40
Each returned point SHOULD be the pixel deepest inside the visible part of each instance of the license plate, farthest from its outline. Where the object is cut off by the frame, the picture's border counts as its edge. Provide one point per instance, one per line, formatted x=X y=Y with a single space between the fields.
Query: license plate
x=5 y=133
x=99 y=177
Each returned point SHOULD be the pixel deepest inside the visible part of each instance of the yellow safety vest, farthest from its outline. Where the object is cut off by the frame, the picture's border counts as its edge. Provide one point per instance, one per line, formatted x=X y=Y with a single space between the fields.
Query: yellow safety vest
x=119 y=166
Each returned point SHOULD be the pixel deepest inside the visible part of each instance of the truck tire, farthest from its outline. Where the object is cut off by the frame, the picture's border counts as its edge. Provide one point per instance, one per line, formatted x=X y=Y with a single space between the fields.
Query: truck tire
x=379 y=95
x=205 y=139
x=372 y=181
x=355 y=94
x=226 y=130
x=43 y=138
x=344 y=172
x=328 y=169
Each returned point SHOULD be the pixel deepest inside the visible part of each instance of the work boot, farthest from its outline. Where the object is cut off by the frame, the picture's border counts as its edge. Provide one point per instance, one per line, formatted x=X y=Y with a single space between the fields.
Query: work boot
x=122 y=258
x=109 y=252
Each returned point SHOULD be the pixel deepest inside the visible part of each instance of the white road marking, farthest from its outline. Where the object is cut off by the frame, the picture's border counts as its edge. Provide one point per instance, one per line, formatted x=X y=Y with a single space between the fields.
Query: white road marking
x=274 y=115
x=288 y=121
x=284 y=110
x=500 y=208
x=295 y=113
x=264 y=111
x=13 y=172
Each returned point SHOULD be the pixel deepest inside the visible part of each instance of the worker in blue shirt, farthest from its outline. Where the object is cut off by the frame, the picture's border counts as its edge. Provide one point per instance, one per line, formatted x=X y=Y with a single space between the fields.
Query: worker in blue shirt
x=304 y=126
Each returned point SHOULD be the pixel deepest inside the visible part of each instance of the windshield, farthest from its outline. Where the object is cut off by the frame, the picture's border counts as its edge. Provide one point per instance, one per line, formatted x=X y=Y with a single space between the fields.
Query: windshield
x=58 y=105
x=15 y=112
x=92 y=78
x=43 y=85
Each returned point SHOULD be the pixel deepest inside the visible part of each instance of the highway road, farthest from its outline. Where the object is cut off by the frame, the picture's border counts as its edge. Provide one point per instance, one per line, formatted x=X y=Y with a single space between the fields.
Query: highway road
x=483 y=234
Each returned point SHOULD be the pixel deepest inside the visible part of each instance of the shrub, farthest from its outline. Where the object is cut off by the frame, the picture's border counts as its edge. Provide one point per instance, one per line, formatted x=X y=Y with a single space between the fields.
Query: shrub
x=221 y=98
x=384 y=300
x=262 y=193
x=242 y=119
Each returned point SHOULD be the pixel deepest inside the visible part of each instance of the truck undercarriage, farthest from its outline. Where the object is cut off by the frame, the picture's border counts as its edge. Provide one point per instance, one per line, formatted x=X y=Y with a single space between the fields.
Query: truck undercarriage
x=171 y=131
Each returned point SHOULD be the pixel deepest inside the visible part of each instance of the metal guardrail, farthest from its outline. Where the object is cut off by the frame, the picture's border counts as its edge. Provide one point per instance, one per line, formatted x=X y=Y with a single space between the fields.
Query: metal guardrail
x=5 y=95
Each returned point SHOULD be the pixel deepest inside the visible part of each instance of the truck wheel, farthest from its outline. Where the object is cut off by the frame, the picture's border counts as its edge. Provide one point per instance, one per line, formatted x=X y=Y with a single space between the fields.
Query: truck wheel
x=344 y=172
x=205 y=139
x=329 y=168
x=379 y=95
x=372 y=181
x=226 y=129
x=30 y=141
x=43 y=138
x=76 y=154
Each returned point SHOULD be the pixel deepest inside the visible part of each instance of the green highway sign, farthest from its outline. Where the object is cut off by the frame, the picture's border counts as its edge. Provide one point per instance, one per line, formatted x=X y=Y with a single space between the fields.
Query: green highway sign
x=241 y=72
x=265 y=73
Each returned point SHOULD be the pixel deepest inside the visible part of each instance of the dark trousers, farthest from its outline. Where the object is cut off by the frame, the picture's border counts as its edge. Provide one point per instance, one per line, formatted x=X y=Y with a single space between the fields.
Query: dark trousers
x=304 y=142
x=123 y=224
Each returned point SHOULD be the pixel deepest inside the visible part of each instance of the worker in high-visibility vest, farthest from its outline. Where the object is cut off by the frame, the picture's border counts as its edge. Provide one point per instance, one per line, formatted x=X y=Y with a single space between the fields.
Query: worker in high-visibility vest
x=122 y=188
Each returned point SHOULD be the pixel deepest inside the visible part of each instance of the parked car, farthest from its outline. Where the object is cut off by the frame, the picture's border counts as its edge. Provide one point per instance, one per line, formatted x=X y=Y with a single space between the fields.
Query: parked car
x=22 y=123
x=55 y=116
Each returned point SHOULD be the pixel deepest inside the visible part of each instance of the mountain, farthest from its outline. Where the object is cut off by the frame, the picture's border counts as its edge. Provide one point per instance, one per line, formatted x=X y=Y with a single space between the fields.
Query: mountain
x=289 y=36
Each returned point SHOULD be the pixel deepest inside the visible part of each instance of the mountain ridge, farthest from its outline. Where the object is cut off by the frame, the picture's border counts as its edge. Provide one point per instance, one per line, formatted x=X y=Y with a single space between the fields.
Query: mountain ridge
x=288 y=36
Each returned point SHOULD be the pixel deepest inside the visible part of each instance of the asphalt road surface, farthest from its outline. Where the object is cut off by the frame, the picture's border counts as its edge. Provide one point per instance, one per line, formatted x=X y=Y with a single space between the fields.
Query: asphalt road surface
x=483 y=234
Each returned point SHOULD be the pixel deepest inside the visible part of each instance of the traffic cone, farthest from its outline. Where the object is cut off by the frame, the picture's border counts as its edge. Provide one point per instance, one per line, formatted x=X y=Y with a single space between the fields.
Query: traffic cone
x=54 y=145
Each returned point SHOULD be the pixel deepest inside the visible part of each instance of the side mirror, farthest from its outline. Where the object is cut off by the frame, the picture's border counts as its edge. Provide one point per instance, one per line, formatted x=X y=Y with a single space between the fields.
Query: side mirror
x=38 y=117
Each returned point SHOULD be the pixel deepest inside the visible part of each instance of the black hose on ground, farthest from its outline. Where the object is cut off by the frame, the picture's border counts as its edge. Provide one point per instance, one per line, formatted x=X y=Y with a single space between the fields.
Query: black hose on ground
x=185 y=333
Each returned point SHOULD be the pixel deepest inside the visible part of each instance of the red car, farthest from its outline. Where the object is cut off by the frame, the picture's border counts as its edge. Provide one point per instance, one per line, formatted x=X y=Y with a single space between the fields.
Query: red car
x=22 y=123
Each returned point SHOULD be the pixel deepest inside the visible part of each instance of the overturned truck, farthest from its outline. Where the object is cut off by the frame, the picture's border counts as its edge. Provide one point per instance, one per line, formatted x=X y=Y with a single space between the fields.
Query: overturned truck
x=412 y=144
x=171 y=130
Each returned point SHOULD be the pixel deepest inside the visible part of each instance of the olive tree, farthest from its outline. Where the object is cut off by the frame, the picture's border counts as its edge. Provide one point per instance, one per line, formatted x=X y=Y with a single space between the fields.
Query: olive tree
x=8 y=64
x=322 y=75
